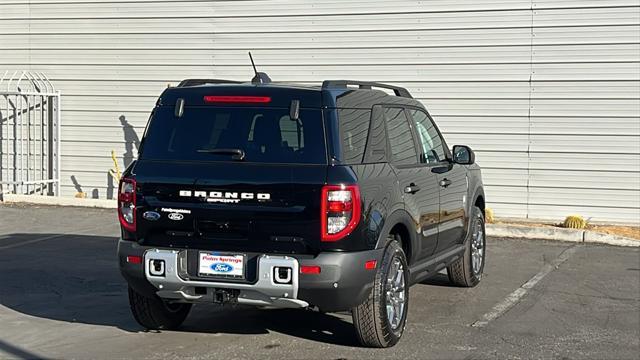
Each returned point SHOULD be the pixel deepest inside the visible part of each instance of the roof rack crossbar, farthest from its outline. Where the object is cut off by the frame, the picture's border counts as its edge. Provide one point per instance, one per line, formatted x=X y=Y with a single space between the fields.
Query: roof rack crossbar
x=397 y=90
x=196 y=82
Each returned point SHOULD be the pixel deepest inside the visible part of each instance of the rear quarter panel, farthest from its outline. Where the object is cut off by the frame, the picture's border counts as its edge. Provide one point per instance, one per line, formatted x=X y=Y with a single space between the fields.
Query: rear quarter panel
x=377 y=183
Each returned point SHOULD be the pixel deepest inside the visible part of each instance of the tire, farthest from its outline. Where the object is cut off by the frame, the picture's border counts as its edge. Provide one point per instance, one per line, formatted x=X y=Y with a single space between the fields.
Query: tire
x=155 y=314
x=462 y=272
x=370 y=319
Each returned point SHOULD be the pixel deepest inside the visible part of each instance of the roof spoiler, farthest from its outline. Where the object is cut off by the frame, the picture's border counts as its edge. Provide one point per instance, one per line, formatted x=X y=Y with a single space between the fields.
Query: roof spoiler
x=341 y=84
x=196 y=82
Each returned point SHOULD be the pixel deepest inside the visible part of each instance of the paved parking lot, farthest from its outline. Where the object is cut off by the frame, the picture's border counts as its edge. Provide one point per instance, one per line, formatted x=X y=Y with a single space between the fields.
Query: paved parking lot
x=61 y=296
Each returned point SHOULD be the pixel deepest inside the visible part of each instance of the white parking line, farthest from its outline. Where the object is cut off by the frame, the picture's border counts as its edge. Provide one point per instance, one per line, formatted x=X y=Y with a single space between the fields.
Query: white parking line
x=513 y=298
x=27 y=242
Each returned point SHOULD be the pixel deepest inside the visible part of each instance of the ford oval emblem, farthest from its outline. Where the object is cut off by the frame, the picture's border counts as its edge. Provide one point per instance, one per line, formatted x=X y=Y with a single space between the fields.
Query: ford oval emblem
x=221 y=267
x=151 y=215
x=176 y=216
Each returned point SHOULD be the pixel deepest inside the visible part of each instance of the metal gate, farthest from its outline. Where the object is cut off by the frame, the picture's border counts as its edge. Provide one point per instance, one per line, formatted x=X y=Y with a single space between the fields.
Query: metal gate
x=29 y=134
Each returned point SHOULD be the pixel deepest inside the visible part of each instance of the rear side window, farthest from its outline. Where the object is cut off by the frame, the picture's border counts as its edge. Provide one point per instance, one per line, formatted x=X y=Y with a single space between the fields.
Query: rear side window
x=265 y=135
x=354 y=127
x=403 y=150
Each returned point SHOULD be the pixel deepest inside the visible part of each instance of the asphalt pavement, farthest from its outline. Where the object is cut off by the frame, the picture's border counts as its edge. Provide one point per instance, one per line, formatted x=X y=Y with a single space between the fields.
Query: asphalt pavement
x=61 y=296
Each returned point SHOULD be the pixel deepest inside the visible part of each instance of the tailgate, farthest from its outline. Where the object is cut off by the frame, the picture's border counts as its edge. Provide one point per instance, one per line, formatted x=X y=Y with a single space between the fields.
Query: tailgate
x=231 y=206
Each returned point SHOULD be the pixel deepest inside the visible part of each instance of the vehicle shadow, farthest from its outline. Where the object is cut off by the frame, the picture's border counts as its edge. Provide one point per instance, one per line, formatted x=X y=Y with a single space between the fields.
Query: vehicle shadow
x=306 y=324
x=437 y=280
x=75 y=279
x=72 y=278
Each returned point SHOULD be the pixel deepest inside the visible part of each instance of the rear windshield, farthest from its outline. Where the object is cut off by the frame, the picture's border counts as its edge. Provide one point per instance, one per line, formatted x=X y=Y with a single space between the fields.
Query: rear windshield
x=265 y=135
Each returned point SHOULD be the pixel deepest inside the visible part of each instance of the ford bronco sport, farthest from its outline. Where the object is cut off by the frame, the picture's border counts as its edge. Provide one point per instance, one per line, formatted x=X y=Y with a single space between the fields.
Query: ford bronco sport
x=334 y=197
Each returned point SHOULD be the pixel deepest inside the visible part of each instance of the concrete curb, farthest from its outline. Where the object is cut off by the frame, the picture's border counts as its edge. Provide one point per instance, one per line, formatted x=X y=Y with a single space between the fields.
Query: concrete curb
x=600 y=238
x=558 y=234
x=60 y=201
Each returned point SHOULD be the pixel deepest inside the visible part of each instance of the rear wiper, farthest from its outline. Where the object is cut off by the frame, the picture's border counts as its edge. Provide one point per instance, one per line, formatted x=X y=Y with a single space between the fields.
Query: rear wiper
x=238 y=154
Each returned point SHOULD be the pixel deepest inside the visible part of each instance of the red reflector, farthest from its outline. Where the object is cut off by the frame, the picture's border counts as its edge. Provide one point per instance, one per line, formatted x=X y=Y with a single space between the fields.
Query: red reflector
x=134 y=259
x=309 y=269
x=237 y=99
x=371 y=264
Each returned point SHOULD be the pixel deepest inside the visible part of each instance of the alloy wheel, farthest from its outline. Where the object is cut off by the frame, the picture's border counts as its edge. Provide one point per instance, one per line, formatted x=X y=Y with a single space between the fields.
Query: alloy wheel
x=477 y=246
x=395 y=293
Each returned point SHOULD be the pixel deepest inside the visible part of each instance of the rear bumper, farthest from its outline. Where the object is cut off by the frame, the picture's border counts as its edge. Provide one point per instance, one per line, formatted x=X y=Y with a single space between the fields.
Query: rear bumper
x=342 y=283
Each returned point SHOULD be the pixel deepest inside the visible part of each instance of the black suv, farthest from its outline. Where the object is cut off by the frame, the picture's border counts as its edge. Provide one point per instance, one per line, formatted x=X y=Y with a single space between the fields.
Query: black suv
x=334 y=197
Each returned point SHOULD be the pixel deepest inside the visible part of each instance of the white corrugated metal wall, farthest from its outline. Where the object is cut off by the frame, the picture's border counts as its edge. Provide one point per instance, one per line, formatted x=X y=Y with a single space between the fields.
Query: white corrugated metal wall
x=546 y=91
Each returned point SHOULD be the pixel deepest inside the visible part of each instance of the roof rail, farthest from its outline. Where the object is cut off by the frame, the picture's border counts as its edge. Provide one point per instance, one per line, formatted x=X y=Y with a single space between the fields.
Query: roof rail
x=399 y=91
x=196 y=82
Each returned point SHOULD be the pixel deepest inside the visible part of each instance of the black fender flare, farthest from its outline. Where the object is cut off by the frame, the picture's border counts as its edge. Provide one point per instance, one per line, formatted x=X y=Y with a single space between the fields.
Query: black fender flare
x=400 y=216
x=478 y=192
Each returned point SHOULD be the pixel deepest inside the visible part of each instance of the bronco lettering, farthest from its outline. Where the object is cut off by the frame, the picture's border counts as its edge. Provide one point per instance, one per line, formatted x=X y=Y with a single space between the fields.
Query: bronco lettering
x=227 y=196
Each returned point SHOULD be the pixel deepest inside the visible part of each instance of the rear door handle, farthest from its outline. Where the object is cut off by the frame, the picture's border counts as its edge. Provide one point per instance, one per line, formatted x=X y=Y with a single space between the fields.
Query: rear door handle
x=412 y=189
x=445 y=182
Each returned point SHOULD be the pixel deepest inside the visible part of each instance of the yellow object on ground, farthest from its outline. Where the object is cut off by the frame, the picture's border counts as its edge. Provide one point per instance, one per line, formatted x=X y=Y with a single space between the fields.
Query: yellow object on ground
x=115 y=174
x=574 y=222
x=488 y=216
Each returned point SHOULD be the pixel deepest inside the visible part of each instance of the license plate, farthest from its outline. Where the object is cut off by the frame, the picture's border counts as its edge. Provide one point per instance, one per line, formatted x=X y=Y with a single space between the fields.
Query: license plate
x=214 y=264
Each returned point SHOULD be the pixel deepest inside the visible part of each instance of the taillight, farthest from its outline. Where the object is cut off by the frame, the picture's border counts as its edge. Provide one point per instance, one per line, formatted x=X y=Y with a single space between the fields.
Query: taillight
x=340 y=211
x=127 y=204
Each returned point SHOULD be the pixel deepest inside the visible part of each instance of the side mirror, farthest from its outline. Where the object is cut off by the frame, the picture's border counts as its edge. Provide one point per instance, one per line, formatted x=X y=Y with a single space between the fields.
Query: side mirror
x=463 y=155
